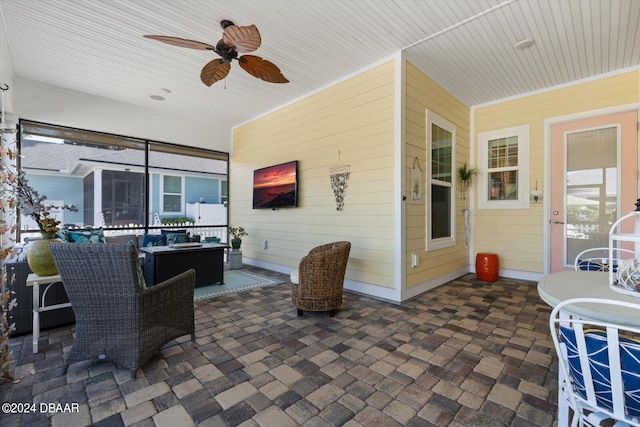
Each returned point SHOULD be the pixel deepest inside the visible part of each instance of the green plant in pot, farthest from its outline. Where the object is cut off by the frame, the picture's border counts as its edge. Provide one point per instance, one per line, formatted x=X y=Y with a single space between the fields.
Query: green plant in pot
x=237 y=233
x=465 y=176
x=31 y=203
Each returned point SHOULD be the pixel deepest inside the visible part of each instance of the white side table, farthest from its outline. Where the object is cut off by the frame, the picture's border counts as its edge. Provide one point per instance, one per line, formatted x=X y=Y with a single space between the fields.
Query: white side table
x=35 y=281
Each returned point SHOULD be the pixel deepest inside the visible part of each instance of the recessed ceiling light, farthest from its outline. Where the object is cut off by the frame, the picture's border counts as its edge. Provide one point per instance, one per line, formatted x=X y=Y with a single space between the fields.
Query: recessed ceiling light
x=524 y=44
x=157 y=97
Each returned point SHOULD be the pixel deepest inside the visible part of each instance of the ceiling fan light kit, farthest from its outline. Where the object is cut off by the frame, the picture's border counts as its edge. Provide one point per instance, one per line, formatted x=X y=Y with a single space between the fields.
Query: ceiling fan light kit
x=235 y=39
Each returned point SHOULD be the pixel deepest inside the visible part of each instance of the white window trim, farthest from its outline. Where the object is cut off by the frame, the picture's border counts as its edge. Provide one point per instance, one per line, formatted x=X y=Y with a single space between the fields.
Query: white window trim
x=523 y=135
x=444 y=242
x=162 y=194
x=222 y=198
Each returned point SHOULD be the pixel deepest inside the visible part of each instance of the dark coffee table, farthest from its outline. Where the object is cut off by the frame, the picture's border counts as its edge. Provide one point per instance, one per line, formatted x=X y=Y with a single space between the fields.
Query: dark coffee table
x=163 y=262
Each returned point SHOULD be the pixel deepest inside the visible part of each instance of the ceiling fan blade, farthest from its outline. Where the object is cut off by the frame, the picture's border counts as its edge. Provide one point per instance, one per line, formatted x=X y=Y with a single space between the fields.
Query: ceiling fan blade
x=245 y=39
x=214 y=71
x=262 y=69
x=177 y=41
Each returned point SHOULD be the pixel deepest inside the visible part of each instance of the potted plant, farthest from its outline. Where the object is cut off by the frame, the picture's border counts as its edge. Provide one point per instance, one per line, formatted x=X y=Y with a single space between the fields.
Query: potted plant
x=30 y=203
x=465 y=176
x=237 y=233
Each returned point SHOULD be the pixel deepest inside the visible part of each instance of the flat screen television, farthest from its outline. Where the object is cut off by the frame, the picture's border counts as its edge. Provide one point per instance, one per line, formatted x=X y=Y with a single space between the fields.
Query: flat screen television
x=276 y=186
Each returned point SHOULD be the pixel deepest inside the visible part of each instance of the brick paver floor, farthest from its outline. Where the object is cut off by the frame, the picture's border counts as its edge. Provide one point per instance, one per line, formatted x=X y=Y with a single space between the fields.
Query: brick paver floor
x=464 y=354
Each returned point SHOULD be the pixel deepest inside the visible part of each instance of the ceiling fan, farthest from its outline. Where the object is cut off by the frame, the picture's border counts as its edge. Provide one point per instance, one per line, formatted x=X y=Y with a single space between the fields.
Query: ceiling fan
x=234 y=39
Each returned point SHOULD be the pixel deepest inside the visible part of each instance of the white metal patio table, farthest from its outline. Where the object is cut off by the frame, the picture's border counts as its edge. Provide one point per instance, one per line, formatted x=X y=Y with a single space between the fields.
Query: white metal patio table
x=557 y=287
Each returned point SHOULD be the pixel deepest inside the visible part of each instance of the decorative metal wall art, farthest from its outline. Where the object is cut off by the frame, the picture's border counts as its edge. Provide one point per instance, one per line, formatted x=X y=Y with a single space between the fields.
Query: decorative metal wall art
x=416 y=183
x=536 y=194
x=339 y=176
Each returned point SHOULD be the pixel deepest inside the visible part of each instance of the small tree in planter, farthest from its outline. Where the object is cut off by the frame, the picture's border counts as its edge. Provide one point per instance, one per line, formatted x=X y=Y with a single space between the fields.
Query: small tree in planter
x=237 y=233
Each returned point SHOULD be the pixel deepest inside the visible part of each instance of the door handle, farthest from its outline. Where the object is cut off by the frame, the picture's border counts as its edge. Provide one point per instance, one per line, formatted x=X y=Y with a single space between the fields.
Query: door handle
x=558 y=222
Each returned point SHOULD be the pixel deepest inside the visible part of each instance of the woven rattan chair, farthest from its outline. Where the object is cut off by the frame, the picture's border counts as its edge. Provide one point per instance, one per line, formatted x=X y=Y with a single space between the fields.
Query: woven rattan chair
x=118 y=319
x=317 y=283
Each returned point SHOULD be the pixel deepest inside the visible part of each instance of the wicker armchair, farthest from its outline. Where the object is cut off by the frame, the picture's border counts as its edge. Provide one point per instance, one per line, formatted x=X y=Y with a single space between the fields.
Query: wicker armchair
x=317 y=284
x=117 y=319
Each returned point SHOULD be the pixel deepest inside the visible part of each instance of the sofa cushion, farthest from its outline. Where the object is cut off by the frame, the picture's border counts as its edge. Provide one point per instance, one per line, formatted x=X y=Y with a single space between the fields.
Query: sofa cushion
x=125 y=238
x=94 y=235
x=154 y=240
x=173 y=238
x=181 y=231
x=63 y=235
x=294 y=277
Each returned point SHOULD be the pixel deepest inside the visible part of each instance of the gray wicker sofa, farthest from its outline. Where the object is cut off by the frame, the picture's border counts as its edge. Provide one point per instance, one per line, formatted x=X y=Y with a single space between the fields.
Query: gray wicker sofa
x=22 y=314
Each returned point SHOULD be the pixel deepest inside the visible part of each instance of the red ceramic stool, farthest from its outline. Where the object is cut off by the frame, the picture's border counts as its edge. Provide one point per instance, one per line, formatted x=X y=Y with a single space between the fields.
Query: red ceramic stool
x=487 y=267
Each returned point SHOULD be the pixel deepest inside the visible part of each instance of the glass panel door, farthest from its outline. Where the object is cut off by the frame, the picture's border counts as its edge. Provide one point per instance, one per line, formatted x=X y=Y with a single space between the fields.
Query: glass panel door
x=593 y=164
x=591 y=189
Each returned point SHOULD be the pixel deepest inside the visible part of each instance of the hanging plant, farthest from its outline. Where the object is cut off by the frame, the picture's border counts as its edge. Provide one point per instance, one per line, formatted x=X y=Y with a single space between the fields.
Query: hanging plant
x=465 y=176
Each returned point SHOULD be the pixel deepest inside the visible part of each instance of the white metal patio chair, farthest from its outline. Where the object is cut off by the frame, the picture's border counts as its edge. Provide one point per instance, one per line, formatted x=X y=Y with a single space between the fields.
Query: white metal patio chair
x=597 y=259
x=599 y=363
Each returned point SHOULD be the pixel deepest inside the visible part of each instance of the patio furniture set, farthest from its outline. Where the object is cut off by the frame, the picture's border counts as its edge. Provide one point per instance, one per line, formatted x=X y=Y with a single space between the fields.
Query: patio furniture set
x=52 y=298
x=124 y=315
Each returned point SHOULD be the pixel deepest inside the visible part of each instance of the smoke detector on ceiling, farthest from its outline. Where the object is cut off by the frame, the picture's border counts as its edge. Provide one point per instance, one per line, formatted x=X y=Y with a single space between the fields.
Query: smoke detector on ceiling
x=164 y=91
x=524 y=44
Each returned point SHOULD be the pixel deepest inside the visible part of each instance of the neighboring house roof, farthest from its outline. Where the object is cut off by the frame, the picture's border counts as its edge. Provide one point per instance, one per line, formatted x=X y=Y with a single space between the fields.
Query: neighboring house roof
x=79 y=160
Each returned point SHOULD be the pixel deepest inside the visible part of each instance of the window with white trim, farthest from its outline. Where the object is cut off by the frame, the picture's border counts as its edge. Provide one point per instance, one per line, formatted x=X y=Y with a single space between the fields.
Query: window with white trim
x=172 y=194
x=224 y=191
x=441 y=142
x=503 y=160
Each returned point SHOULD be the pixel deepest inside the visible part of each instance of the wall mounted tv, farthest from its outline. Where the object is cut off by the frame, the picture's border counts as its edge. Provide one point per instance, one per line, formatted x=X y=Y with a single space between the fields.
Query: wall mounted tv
x=276 y=186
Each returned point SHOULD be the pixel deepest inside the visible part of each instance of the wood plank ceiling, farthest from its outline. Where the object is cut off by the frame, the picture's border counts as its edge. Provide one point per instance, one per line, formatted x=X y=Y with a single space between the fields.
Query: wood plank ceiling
x=467 y=46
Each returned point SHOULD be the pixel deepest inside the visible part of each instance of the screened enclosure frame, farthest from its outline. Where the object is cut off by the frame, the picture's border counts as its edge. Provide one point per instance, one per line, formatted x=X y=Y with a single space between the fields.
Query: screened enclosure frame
x=135 y=167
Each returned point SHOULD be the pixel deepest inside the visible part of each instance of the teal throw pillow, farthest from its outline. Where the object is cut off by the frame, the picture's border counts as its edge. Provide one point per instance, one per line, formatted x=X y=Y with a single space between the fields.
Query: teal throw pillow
x=173 y=238
x=180 y=231
x=95 y=235
x=154 y=240
x=63 y=235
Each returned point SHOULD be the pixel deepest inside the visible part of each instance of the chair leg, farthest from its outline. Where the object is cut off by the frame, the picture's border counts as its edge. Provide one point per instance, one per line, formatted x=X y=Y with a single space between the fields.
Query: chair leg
x=299 y=312
x=193 y=336
x=332 y=312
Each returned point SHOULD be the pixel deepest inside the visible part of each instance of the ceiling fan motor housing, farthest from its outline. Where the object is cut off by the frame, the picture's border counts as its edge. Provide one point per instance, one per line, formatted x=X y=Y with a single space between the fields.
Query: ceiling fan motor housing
x=227 y=53
x=226 y=23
